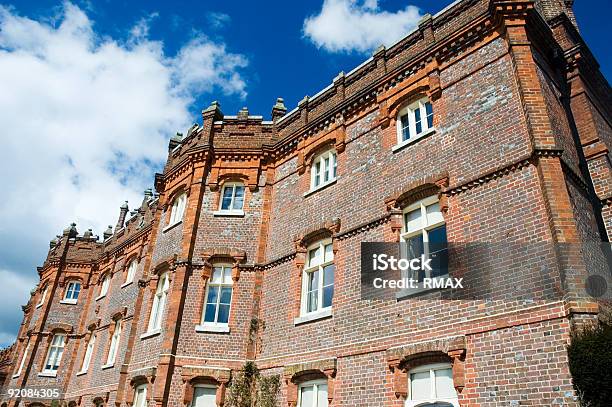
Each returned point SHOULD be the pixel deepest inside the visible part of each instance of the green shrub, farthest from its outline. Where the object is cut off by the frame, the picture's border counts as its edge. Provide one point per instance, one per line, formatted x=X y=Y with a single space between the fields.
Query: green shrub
x=590 y=361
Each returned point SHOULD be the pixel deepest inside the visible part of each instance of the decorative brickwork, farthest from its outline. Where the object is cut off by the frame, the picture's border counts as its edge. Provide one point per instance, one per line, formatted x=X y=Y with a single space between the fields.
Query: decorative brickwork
x=517 y=152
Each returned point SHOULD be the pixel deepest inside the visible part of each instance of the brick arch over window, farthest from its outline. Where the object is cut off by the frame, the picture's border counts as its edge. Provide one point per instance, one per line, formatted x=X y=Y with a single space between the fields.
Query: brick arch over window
x=294 y=375
x=431 y=185
x=248 y=172
x=445 y=350
x=72 y=276
x=192 y=376
x=309 y=148
x=230 y=255
x=426 y=82
x=141 y=377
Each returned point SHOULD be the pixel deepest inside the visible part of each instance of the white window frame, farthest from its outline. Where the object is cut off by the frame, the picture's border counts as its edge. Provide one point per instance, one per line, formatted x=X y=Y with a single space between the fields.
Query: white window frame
x=55 y=354
x=104 y=285
x=425 y=228
x=315 y=384
x=324 y=164
x=140 y=396
x=114 y=344
x=321 y=244
x=231 y=210
x=69 y=285
x=43 y=297
x=159 y=303
x=89 y=348
x=410 y=110
x=130 y=272
x=218 y=326
x=178 y=209
x=204 y=386
x=454 y=401
x=23 y=359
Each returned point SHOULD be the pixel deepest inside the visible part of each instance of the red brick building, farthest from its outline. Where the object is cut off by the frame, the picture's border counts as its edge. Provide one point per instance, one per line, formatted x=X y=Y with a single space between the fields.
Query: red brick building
x=489 y=122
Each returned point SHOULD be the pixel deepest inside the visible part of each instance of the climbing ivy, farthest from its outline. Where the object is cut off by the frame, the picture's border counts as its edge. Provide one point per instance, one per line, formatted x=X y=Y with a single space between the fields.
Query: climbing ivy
x=249 y=388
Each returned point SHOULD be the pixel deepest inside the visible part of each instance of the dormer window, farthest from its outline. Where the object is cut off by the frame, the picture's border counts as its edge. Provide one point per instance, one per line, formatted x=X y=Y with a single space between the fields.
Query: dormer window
x=232 y=199
x=178 y=209
x=414 y=121
x=323 y=170
x=71 y=295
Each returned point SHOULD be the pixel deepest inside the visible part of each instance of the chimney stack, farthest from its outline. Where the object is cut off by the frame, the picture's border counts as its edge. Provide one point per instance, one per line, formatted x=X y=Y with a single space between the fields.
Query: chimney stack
x=123 y=210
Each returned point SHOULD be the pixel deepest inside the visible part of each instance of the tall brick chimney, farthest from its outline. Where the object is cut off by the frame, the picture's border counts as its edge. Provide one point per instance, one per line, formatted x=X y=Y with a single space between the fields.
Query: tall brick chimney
x=123 y=210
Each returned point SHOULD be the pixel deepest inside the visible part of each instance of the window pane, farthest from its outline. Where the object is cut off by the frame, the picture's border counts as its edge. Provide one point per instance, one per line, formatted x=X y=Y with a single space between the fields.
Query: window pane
x=239 y=197
x=209 y=315
x=417 y=120
x=433 y=214
x=420 y=386
x=326 y=170
x=313 y=300
x=329 y=252
x=415 y=249
x=334 y=166
x=328 y=275
x=314 y=257
x=429 y=111
x=328 y=296
x=444 y=383
x=322 y=395
x=217 y=276
x=204 y=397
x=438 y=251
x=227 y=275
x=227 y=197
x=306 y=397
x=405 y=127
x=317 y=172
x=226 y=295
x=223 y=314
x=413 y=221
x=213 y=294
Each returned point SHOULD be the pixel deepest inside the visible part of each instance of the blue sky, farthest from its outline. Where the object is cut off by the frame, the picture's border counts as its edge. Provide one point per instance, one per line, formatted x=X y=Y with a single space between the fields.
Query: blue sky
x=92 y=90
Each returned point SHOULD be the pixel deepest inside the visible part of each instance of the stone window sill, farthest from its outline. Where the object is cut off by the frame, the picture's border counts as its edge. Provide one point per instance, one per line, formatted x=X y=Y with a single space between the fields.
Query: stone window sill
x=47 y=374
x=39 y=305
x=110 y=365
x=99 y=297
x=405 y=143
x=150 y=334
x=234 y=213
x=216 y=328
x=68 y=302
x=81 y=373
x=314 y=316
x=320 y=187
x=172 y=226
x=15 y=376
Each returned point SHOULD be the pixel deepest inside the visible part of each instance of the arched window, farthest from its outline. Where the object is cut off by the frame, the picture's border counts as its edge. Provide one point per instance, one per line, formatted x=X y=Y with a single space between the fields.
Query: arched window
x=131 y=271
x=106 y=280
x=140 y=396
x=88 y=353
x=414 y=120
x=43 y=296
x=114 y=344
x=424 y=232
x=431 y=386
x=204 y=396
x=178 y=209
x=218 y=299
x=54 y=354
x=323 y=170
x=313 y=394
x=71 y=295
x=232 y=198
x=318 y=278
x=23 y=359
x=159 y=302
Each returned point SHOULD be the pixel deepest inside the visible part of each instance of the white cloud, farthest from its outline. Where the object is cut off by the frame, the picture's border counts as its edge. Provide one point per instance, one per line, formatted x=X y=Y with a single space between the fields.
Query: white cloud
x=217 y=20
x=349 y=25
x=85 y=123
